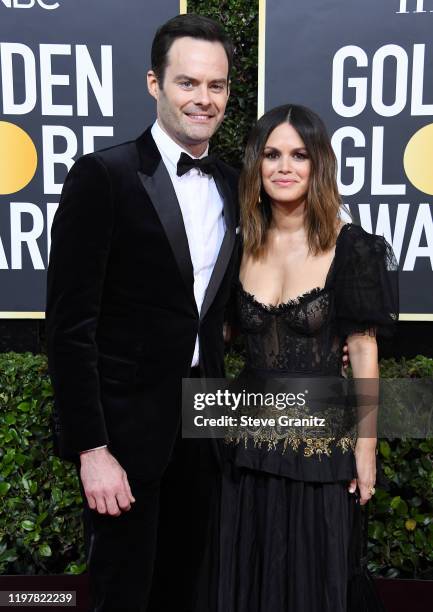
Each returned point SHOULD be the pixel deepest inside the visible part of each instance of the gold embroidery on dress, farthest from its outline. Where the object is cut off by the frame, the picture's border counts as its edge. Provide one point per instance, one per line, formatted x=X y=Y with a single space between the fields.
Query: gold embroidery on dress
x=313 y=441
x=313 y=446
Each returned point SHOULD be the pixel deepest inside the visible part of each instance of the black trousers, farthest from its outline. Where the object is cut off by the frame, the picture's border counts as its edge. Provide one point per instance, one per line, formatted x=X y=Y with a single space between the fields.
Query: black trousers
x=148 y=559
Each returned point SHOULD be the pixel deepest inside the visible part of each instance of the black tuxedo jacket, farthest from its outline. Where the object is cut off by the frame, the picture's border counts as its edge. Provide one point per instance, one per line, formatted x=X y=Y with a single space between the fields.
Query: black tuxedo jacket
x=121 y=315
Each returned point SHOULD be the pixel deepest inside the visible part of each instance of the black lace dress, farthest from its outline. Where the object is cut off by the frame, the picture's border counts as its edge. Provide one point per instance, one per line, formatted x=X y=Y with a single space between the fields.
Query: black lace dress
x=286 y=514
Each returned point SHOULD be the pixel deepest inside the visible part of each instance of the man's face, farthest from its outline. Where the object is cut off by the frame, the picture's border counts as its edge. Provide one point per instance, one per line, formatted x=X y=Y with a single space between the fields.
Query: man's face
x=192 y=99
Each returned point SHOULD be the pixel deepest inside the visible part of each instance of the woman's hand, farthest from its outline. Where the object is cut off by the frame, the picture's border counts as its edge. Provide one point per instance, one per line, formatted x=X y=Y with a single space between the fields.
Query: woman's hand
x=365 y=456
x=363 y=356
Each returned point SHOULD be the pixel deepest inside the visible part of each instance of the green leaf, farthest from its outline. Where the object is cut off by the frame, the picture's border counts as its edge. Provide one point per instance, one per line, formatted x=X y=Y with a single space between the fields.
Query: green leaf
x=45 y=550
x=56 y=494
x=427 y=447
x=9 y=457
x=420 y=539
x=9 y=555
x=27 y=525
x=395 y=502
x=4 y=488
x=41 y=518
x=385 y=449
x=402 y=508
x=20 y=459
x=24 y=406
x=74 y=568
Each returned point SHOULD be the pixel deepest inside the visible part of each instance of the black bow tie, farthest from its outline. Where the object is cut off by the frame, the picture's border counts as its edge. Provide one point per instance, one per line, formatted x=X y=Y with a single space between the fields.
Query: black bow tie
x=205 y=164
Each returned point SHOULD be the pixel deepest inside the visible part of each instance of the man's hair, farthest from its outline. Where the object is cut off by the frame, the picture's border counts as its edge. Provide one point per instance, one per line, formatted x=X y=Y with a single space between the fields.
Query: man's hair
x=193 y=26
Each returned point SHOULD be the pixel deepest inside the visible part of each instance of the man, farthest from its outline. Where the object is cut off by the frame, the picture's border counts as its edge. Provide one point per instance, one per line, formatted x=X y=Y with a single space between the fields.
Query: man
x=142 y=258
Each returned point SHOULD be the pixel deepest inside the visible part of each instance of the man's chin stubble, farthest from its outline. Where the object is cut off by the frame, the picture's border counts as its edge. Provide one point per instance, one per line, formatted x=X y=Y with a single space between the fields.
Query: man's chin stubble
x=195 y=139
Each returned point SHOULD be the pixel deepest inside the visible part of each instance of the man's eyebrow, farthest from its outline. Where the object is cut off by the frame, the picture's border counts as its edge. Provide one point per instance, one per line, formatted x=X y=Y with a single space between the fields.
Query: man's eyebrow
x=185 y=77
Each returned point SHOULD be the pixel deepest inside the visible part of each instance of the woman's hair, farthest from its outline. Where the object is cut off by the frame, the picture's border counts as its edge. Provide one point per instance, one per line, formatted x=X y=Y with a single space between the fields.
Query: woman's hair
x=322 y=200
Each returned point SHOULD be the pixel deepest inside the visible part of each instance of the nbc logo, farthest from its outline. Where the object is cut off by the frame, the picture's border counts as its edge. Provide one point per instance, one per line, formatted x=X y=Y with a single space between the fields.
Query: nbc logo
x=26 y=4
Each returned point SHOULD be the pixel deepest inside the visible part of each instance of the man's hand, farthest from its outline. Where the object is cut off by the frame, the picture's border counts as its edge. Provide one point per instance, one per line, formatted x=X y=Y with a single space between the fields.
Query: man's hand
x=227 y=333
x=105 y=483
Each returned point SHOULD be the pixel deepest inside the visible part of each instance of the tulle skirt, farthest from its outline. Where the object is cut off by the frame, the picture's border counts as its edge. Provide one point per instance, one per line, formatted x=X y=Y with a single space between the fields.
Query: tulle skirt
x=284 y=544
x=276 y=544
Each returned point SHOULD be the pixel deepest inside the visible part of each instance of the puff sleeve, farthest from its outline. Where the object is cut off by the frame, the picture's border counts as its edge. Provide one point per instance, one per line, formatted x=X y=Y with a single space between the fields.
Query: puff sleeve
x=366 y=287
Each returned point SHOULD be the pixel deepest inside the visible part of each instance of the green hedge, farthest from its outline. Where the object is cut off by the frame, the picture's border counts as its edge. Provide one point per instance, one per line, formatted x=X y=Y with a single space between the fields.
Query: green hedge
x=40 y=503
x=240 y=19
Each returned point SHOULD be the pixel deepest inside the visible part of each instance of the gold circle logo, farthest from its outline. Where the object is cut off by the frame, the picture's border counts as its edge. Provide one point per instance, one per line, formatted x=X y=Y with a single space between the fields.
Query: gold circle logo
x=418 y=159
x=18 y=158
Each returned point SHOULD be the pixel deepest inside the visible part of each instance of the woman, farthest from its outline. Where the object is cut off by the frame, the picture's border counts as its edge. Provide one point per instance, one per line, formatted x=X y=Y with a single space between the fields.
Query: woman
x=308 y=283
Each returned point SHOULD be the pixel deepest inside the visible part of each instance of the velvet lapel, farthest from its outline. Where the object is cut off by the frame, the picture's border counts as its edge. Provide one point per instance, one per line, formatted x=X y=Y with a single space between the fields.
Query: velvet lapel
x=157 y=183
x=227 y=244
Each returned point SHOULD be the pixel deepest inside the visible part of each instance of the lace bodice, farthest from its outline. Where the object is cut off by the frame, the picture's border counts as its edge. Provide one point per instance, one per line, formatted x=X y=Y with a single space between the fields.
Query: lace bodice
x=298 y=336
x=305 y=336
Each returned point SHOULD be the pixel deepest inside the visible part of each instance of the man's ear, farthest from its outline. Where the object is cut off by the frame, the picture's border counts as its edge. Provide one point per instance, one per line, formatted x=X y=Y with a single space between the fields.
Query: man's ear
x=152 y=84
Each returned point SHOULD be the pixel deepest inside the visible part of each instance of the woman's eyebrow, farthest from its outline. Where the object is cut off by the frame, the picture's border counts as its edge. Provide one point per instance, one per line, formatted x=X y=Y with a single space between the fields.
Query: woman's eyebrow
x=269 y=148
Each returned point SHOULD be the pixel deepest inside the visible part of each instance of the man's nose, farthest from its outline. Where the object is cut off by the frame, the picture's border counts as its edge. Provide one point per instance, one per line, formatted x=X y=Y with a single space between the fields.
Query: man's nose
x=202 y=97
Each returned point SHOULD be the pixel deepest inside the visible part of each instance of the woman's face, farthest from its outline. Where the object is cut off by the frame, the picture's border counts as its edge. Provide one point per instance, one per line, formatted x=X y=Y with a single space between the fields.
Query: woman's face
x=286 y=166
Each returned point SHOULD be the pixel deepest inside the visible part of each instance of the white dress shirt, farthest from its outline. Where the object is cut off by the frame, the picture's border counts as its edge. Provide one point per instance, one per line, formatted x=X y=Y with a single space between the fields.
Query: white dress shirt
x=202 y=211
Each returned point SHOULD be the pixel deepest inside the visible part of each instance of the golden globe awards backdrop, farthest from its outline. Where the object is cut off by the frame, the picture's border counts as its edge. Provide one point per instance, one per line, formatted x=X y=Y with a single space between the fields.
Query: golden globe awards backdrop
x=367 y=69
x=72 y=80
